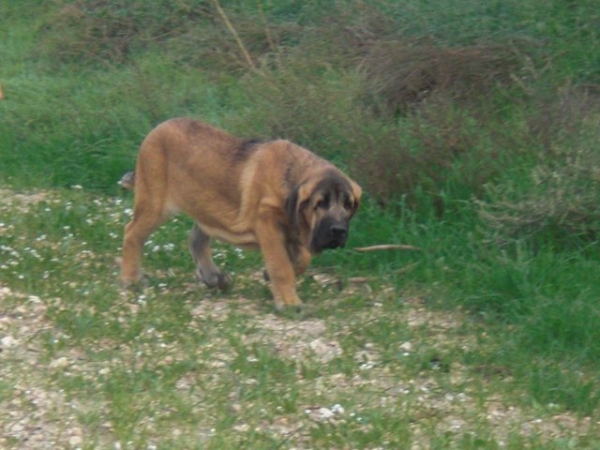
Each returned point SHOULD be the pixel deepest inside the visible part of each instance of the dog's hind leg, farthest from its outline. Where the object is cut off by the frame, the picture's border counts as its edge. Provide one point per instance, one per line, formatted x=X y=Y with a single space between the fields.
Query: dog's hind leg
x=136 y=233
x=206 y=271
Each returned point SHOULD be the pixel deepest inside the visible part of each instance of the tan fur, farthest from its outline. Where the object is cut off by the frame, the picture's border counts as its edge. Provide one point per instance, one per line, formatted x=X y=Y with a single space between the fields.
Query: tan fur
x=252 y=195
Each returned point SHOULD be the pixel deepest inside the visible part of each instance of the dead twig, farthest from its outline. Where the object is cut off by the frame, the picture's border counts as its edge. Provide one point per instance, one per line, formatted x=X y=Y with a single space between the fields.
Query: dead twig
x=407 y=268
x=235 y=34
x=358 y=280
x=376 y=248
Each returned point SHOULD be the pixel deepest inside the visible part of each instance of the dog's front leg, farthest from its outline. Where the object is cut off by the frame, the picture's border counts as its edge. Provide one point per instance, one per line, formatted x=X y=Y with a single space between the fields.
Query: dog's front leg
x=206 y=271
x=277 y=262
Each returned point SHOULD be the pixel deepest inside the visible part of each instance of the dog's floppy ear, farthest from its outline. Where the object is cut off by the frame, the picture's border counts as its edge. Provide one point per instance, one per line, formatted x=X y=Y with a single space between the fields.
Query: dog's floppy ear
x=356 y=193
x=291 y=207
x=294 y=203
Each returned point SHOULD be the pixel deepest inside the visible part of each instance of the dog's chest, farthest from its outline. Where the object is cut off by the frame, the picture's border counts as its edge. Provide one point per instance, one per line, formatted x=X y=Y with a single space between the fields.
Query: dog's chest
x=246 y=240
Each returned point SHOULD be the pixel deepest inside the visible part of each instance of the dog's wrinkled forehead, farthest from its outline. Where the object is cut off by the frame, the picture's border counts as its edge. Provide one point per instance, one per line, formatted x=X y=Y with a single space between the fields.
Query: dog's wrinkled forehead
x=335 y=186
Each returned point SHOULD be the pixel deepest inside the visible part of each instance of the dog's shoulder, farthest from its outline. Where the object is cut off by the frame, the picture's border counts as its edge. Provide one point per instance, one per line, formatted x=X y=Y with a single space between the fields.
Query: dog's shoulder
x=246 y=148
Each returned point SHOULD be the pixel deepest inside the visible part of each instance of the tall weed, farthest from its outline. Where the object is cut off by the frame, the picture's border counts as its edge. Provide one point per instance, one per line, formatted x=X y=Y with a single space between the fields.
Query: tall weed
x=559 y=200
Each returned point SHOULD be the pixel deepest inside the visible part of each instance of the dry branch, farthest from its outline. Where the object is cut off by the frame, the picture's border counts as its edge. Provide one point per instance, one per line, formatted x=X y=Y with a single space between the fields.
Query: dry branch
x=375 y=248
x=236 y=36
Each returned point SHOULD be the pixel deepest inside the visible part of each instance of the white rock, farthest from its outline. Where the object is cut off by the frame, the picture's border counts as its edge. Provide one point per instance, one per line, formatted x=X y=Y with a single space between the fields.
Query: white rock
x=75 y=441
x=407 y=347
x=8 y=341
x=324 y=350
x=59 y=363
x=324 y=414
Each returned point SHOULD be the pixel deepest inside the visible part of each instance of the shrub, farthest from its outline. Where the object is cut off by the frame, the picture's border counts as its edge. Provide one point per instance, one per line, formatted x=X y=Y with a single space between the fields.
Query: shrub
x=561 y=197
x=111 y=32
x=405 y=73
x=100 y=31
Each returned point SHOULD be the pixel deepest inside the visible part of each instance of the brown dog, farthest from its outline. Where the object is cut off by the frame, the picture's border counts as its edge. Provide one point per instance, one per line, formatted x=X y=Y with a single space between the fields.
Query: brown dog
x=269 y=195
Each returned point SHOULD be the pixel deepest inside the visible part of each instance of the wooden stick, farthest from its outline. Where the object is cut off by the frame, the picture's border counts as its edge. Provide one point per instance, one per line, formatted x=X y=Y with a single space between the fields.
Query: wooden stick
x=407 y=269
x=375 y=248
x=236 y=36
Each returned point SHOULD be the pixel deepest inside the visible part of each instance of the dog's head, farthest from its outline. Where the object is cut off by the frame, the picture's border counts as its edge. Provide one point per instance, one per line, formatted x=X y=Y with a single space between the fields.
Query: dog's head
x=321 y=208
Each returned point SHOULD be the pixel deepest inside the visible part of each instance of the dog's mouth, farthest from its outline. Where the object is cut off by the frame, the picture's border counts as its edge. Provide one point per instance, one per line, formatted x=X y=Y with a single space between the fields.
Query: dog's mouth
x=329 y=234
x=336 y=243
x=318 y=247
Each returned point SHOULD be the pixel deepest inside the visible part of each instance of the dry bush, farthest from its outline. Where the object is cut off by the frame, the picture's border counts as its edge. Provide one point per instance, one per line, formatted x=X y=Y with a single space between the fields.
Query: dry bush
x=344 y=37
x=556 y=114
x=563 y=199
x=562 y=194
x=313 y=108
x=215 y=48
x=403 y=74
x=108 y=31
x=436 y=151
x=337 y=39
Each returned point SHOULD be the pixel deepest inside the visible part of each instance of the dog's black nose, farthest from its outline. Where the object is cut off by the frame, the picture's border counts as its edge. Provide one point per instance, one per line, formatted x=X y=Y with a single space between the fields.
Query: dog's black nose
x=338 y=231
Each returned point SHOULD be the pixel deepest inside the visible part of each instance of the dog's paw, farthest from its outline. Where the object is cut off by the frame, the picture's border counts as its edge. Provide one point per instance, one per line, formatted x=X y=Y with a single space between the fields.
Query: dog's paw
x=292 y=312
x=297 y=311
x=137 y=284
x=215 y=280
x=225 y=281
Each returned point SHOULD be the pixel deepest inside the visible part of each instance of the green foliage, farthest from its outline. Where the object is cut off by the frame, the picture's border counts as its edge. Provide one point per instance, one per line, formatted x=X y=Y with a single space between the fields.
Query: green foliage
x=96 y=31
x=559 y=201
x=472 y=126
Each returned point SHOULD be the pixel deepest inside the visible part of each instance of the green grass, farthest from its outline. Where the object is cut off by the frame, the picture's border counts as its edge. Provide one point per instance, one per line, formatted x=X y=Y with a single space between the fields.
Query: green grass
x=402 y=356
x=486 y=337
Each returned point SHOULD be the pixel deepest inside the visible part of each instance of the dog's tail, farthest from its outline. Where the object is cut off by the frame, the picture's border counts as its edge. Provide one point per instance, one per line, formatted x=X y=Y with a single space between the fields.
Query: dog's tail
x=127 y=181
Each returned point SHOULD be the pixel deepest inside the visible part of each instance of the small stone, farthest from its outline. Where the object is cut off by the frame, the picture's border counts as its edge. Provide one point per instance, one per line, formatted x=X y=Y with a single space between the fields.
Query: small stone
x=59 y=363
x=242 y=428
x=9 y=342
x=325 y=351
x=75 y=441
x=407 y=347
x=324 y=413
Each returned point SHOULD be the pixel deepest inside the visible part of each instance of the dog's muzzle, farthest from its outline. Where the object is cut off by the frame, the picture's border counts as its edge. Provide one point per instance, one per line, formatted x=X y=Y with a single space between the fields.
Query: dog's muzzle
x=337 y=236
x=333 y=236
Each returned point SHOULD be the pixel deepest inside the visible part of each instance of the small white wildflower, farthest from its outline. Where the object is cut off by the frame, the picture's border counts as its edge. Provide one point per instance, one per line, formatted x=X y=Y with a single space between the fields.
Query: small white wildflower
x=324 y=414
x=338 y=409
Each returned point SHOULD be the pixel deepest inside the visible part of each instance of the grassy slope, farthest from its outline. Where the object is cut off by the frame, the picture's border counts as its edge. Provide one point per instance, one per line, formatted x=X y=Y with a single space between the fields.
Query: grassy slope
x=533 y=308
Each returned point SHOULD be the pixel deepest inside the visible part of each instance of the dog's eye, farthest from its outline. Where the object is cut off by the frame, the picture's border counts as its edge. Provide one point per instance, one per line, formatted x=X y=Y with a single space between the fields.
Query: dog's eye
x=323 y=203
x=349 y=204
